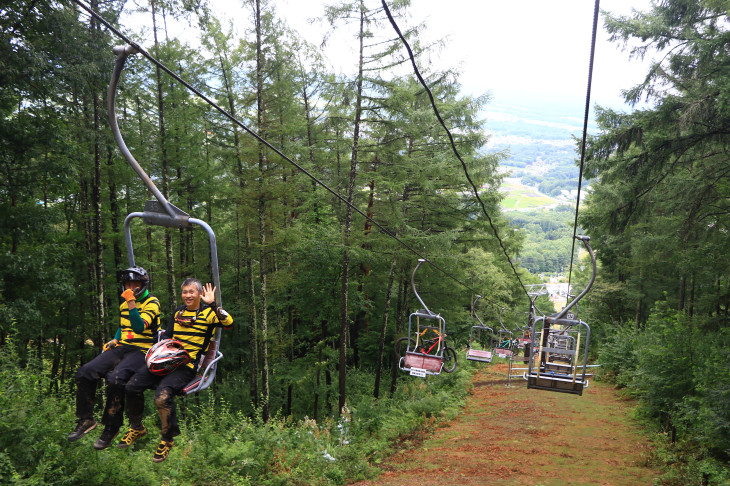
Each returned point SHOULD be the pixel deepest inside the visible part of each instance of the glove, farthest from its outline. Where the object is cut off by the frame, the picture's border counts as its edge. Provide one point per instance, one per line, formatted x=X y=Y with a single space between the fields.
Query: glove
x=221 y=314
x=109 y=345
x=128 y=295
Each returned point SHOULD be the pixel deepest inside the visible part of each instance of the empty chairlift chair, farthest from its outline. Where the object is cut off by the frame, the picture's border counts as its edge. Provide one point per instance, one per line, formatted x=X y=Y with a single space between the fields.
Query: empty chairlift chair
x=481 y=339
x=560 y=347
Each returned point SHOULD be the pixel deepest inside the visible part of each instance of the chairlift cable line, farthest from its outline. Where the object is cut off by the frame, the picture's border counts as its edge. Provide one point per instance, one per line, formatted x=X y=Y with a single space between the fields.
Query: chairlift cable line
x=451 y=139
x=263 y=141
x=583 y=143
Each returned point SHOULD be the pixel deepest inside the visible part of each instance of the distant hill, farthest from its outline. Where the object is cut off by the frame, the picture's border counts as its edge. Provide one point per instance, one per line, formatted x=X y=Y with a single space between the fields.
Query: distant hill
x=540 y=190
x=541 y=141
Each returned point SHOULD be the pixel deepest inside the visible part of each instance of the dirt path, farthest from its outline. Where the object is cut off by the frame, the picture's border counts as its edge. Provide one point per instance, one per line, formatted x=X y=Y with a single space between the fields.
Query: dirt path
x=515 y=436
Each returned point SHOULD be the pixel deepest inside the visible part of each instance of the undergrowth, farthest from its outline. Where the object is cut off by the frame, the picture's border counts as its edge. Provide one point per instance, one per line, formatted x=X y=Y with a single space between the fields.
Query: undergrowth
x=218 y=445
x=677 y=368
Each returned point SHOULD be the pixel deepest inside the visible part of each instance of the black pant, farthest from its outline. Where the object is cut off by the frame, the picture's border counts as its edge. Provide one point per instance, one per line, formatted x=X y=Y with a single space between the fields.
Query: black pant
x=117 y=365
x=167 y=387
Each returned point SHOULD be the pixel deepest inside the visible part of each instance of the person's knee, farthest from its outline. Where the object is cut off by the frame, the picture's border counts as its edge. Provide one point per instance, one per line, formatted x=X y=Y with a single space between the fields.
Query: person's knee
x=114 y=378
x=133 y=388
x=86 y=373
x=163 y=398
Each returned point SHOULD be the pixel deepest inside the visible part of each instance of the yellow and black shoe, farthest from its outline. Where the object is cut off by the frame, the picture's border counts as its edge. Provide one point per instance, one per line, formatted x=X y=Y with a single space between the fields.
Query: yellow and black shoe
x=163 y=450
x=131 y=436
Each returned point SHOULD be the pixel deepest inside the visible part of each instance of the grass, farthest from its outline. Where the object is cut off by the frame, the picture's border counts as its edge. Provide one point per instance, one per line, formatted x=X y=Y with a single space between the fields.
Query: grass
x=520 y=197
x=514 y=436
x=219 y=445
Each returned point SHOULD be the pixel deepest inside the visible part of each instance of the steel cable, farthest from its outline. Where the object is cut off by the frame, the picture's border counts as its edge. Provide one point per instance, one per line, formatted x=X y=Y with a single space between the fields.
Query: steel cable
x=267 y=144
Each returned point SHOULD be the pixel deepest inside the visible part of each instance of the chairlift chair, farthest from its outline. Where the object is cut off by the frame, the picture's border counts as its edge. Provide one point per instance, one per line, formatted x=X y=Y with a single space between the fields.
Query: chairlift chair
x=481 y=339
x=560 y=346
x=505 y=343
x=522 y=332
x=424 y=351
x=160 y=212
x=505 y=340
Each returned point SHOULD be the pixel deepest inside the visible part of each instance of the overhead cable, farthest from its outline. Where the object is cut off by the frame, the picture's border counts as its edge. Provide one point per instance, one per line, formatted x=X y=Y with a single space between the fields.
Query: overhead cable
x=583 y=143
x=266 y=143
x=453 y=144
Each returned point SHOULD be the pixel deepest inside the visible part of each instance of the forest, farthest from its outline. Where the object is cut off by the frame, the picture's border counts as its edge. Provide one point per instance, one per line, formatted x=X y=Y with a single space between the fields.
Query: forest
x=548 y=238
x=308 y=391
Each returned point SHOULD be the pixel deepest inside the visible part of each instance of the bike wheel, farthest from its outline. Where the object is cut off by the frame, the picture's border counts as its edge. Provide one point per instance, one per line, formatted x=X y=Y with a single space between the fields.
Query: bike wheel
x=449 y=359
x=402 y=345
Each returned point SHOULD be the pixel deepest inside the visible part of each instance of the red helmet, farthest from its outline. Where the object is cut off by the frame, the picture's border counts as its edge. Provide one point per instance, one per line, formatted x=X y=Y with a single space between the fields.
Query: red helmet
x=164 y=357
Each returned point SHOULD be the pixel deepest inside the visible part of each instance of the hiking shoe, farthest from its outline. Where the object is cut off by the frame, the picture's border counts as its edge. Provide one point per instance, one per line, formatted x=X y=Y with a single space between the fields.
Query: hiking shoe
x=83 y=427
x=131 y=436
x=163 y=450
x=106 y=438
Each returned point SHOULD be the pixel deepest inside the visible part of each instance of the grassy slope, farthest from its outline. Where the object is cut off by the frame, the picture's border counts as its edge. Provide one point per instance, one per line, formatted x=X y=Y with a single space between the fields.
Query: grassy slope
x=523 y=197
x=515 y=436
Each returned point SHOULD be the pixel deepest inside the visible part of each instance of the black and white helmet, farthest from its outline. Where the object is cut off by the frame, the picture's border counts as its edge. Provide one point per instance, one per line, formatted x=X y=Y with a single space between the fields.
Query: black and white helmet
x=134 y=274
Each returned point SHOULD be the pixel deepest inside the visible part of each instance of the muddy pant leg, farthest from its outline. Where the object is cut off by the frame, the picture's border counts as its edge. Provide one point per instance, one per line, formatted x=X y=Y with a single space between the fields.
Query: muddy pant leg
x=114 y=410
x=87 y=378
x=134 y=390
x=117 y=379
x=165 y=401
x=171 y=385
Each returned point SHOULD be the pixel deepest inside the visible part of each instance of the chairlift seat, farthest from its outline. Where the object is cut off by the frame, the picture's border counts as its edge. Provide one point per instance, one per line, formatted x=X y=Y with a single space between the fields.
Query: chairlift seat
x=555 y=383
x=504 y=353
x=479 y=355
x=422 y=361
x=206 y=370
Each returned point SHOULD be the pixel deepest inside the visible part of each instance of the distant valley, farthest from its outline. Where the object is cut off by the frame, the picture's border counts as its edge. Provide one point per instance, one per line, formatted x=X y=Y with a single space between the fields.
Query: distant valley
x=541 y=180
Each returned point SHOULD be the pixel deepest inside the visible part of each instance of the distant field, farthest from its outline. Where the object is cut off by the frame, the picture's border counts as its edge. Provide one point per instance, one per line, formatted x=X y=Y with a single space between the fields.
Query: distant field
x=522 y=197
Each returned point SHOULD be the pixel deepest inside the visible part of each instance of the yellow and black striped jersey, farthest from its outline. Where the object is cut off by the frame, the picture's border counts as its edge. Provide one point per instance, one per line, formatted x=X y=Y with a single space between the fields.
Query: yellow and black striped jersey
x=194 y=329
x=149 y=311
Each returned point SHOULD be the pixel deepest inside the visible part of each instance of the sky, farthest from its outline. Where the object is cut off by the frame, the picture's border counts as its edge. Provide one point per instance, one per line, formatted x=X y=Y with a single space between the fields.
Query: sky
x=518 y=50
x=521 y=52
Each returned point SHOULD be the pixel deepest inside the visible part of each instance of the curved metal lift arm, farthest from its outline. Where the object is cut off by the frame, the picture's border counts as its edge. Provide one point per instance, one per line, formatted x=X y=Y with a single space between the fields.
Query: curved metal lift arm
x=586 y=242
x=160 y=212
x=413 y=286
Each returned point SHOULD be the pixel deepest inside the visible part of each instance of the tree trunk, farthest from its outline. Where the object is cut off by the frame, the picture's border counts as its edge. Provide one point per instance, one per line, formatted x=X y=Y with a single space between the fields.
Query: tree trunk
x=348 y=225
x=114 y=207
x=98 y=303
x=381 y=343
x=399 y=318
x=253 y=338
x=261 y=218
x=363 y=317
x=682 y=292
x=165 y=184
x=315 y=406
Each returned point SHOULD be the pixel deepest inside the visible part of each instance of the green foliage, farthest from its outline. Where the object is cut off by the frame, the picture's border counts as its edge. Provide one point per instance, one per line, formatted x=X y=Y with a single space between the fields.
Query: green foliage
x=678 y=372
x=218 y=445
x=658 y=215
x=548 y=239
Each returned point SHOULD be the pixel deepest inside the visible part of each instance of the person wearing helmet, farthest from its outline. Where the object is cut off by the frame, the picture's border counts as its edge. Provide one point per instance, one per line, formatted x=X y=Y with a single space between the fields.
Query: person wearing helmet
x=192 y=326
x=120 y=358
